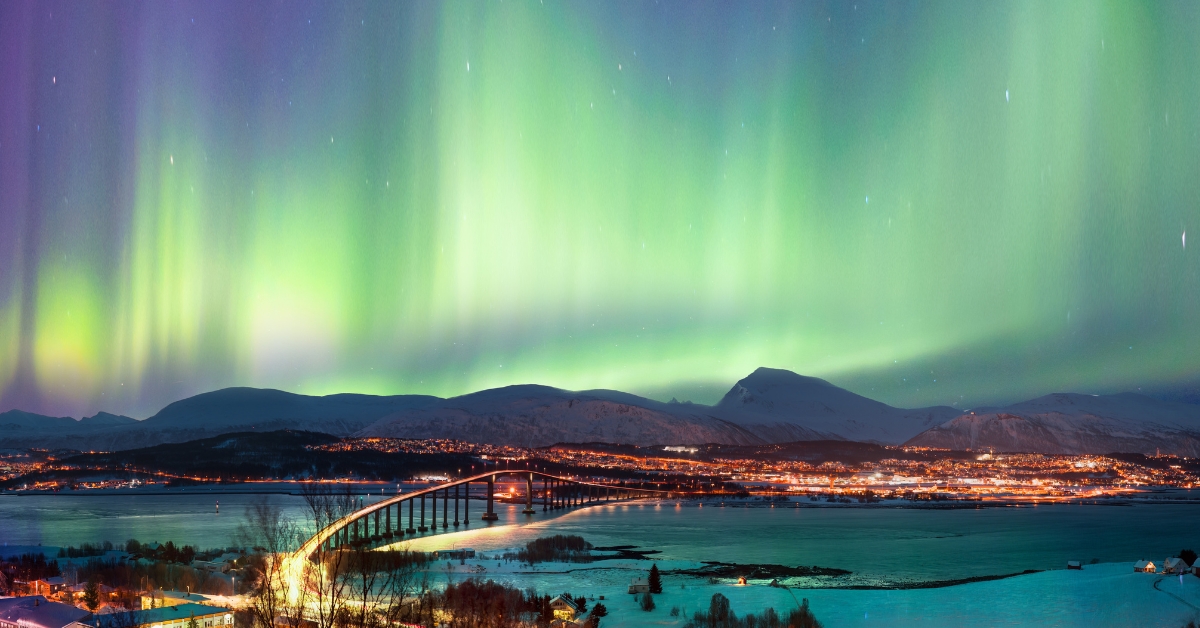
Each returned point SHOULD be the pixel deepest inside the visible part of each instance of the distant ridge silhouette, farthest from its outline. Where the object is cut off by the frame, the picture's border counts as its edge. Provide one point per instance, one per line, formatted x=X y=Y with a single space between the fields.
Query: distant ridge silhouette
x=767 y=406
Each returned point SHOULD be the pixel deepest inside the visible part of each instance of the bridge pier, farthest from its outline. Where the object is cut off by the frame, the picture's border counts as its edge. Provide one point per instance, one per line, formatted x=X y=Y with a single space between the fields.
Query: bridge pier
x=491 y=515
x=362 y=530
x=528 y=495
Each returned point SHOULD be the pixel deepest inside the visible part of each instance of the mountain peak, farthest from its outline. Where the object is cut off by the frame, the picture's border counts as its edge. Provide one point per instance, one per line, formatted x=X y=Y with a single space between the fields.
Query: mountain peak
x=105 y=419
x=766 y=388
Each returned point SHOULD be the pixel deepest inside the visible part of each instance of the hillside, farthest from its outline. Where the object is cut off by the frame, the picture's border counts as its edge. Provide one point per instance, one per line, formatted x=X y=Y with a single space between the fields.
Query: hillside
x=1068 y=423
x=768 y=406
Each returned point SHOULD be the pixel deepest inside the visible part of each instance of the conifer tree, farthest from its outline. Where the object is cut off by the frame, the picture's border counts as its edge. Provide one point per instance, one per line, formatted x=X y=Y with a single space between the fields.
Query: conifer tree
x=655 y=581
x=91 y=595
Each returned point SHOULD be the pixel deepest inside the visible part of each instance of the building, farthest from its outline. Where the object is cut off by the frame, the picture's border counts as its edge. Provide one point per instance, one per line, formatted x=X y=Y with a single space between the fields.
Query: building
x=293 y=622
x=1074 y=564
x=175 y=616
x=172 y=598
x=639 y=585
x=454 y=554
x=81 y=588
x=212 y=566
x=36 y=611
x=1175 y=565
x=564 y=608
x=48 y=586
x=1145 y=566
x=222 y=563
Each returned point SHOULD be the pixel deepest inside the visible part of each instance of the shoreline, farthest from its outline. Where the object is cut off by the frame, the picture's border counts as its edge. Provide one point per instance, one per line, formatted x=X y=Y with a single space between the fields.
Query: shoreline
x=1156 y=497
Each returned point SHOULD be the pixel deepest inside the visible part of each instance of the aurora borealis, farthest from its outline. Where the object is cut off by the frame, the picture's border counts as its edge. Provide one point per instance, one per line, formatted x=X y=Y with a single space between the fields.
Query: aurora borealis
x=927 y=203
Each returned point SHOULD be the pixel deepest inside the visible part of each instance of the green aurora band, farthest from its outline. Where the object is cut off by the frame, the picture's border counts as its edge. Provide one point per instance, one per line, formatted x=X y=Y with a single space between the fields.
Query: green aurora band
x=934 y=202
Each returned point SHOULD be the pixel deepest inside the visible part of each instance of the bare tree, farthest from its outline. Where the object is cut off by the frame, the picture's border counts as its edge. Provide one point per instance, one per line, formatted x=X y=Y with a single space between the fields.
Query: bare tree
x=382 y=585
x=270 y=536
x=325 y=574
x=338 y=585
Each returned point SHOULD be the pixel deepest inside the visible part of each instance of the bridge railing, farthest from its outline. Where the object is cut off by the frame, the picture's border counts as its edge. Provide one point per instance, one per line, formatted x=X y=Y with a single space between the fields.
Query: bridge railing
x=375 y=524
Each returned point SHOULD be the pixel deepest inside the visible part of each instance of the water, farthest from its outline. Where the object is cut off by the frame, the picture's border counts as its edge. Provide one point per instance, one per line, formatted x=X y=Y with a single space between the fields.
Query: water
x=902 y=543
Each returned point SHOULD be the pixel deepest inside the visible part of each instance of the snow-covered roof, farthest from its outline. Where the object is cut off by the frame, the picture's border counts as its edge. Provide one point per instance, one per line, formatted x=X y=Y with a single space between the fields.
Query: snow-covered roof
x=37 y=612
x=564 y=601
x=183 y=595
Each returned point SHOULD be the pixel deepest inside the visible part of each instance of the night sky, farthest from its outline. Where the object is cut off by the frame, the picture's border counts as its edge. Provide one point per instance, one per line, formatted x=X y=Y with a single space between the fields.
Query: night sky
x=927 y=203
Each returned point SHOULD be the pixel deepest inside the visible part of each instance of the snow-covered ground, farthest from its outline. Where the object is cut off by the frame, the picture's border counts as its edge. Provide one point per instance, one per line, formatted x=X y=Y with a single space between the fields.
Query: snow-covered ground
x=1099 y=596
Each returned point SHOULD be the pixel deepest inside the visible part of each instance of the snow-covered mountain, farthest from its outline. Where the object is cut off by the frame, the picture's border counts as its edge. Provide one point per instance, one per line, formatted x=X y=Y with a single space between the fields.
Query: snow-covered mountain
x=207 y=414
x=24 y=429
x=540 y=415
x=1068 y=423
x=768 y=406
x=781 y=406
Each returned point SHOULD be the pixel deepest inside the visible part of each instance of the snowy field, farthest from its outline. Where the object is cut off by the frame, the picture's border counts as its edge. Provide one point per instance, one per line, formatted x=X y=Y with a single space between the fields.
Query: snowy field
x=1099 y=596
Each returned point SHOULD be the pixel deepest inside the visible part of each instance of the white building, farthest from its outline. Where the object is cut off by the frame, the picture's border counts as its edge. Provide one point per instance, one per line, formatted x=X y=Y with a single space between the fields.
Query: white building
x=1175 y=565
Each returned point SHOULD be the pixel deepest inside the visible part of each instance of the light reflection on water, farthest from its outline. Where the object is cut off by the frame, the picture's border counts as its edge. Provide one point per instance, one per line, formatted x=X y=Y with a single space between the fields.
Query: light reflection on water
x=908 y=543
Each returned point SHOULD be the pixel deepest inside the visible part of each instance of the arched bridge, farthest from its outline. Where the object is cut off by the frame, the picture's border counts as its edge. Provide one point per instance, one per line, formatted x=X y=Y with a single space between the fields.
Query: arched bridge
x=389 y=521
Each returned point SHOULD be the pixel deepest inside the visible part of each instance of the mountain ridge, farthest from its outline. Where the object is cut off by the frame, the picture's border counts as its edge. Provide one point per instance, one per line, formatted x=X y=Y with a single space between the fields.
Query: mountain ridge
x=767 y=406
x=1074 y=423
